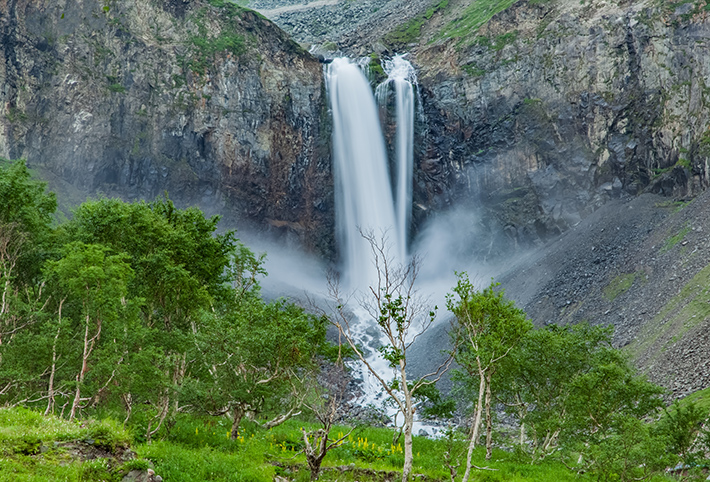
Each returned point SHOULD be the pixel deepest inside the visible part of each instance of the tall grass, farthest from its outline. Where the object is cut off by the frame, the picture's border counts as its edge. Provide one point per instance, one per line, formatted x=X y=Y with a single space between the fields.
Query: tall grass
x=198 y=449
x=467 y=24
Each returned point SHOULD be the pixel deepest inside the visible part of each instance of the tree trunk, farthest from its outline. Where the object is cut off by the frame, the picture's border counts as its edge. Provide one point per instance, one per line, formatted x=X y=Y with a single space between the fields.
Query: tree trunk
x=314 y=466
x=315 y=452
x=237 y=415
x=489 y=420
x=82 y=372
x=476 y=424
x=165 y=406
x=50 y=388
x=408 y=450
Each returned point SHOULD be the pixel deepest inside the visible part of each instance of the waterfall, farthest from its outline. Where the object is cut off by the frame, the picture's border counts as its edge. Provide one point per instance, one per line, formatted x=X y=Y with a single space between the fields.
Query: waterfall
x=401 y=74
x=364 y=194
x=364 y=200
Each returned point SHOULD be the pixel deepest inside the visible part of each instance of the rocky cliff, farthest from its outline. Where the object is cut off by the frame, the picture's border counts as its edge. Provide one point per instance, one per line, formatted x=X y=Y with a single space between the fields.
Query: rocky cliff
x=538 y=112
x=205 y=100
x=552 y=108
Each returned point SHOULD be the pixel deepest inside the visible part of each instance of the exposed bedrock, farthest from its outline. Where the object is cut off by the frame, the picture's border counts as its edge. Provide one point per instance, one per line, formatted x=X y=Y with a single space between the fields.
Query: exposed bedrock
x=215 y=105
x=555 y=108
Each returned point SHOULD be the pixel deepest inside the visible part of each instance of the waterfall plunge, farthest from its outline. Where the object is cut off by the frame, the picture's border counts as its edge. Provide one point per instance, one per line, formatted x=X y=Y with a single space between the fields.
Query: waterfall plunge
x=401 y=74
x=364 y=199
x=363 y=194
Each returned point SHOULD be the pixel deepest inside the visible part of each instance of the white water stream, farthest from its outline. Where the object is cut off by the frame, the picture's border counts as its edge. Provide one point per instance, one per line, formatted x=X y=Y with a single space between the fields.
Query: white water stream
x=365 y=202
x=401 y=75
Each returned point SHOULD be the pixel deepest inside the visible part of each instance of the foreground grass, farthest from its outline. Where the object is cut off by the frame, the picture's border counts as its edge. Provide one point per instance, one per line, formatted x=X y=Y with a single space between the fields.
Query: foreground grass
x=201 y=450
x=38 y=448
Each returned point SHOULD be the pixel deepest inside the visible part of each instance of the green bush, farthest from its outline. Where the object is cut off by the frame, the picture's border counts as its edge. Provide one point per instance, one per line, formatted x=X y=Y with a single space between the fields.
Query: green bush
x=30 y=445
x=108 y=435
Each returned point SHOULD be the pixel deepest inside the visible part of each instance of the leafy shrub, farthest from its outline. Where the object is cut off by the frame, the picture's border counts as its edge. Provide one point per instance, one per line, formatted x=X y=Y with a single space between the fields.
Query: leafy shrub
x=108 y=435
x=30 y=445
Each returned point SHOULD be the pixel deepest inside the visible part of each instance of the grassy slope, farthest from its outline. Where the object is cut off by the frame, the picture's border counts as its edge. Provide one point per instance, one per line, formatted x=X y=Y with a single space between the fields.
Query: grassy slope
x=455 y=19
x=35 y=448
x=38 y=448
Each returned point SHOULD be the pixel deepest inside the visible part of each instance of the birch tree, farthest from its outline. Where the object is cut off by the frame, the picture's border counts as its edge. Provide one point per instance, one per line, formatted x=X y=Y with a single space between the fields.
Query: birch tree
x=97 y=281
x=401 y=316
x=488 y=328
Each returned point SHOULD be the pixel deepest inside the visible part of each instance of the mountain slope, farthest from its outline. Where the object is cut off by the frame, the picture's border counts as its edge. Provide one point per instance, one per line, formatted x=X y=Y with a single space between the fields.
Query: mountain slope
x=202 y=99
x=640 y=265
x=553 y=108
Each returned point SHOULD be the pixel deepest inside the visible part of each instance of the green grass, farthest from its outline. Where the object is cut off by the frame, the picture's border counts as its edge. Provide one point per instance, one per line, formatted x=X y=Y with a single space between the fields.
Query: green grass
x=701 y=399
x=672 y=204
x=498 y=42
x=473 y=71
x=410 y=31
x=477 y=14
x=204 y=47
x=684 y=163
x=32 y=447
x=176 y=462
x=683 y=312
x=675 y=239
x=619 y=286
x=199 y=449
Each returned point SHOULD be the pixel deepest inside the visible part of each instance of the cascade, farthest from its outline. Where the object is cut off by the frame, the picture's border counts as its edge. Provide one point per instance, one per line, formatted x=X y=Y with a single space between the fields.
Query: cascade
x=364 y=200
x=364 y=194
x=402 y=76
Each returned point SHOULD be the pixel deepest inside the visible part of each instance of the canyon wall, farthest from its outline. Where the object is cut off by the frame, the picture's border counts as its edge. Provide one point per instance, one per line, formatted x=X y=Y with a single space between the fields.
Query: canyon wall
x=206 y=101
x=553 y=108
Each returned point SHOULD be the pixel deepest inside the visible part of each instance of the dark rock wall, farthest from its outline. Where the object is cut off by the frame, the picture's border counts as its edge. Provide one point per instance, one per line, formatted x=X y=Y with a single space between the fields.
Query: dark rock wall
x=553 y=109
x=132 y=98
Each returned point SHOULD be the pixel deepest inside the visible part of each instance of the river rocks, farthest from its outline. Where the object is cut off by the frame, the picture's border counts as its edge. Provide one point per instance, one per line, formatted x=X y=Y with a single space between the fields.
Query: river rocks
x=214 y=105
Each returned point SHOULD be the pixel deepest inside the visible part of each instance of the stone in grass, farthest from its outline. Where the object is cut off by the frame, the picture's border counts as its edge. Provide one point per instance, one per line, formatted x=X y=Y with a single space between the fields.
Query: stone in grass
x=142 y=476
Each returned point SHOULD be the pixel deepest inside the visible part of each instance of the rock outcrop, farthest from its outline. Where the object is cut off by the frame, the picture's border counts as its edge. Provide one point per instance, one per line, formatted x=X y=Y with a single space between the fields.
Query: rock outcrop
x=204 y=100
x=553 y=108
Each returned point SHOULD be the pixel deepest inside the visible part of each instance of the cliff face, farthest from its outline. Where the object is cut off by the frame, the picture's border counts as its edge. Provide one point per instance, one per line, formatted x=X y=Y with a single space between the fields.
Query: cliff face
x=553 y=108
x=204 y=100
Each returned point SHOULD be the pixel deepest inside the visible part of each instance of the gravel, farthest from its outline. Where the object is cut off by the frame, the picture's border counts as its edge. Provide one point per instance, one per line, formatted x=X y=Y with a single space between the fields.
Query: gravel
x=350 y=27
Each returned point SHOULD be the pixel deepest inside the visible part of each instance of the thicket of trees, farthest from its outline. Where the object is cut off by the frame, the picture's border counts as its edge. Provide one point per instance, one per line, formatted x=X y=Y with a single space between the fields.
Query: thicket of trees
x=141 y=305
x=144 y=310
